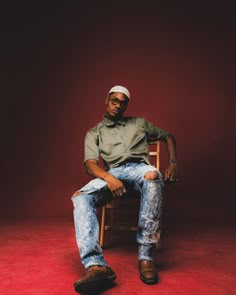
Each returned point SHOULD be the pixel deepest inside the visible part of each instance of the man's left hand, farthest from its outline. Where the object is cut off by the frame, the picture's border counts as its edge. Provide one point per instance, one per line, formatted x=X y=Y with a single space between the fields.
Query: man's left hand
x=171 y=173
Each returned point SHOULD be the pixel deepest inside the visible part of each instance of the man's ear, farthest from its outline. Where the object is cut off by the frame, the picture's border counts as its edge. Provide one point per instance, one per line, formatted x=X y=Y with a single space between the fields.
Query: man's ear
x=106 y=100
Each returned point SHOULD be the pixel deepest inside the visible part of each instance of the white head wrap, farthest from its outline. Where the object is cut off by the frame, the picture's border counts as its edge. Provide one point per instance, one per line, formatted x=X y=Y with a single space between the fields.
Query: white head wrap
x=121 y=89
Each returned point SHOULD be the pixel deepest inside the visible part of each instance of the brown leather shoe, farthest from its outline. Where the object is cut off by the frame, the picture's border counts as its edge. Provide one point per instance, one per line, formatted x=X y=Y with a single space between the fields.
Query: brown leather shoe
x=96 y=276
x=148 y=272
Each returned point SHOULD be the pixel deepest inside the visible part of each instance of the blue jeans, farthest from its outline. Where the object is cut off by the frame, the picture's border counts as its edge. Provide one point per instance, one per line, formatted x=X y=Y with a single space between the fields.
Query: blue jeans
x=96 y=193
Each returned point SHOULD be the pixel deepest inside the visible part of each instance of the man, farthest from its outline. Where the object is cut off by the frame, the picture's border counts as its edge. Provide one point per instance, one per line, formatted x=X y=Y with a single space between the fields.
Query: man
x=122 y=143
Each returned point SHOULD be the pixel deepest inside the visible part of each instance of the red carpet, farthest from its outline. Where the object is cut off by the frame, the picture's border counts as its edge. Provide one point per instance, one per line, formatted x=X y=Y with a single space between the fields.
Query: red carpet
x=40 y=257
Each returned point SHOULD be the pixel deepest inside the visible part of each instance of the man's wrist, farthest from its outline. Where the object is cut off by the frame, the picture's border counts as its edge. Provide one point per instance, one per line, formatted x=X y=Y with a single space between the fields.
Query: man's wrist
x=173 y=161
x=105 y=176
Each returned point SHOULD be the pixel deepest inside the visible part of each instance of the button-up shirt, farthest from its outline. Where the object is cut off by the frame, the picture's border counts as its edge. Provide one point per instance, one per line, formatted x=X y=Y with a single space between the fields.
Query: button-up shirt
x=126 y=139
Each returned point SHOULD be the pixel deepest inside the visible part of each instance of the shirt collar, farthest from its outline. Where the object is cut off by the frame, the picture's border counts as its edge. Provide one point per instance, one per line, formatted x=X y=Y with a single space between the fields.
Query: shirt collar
x=111 y=123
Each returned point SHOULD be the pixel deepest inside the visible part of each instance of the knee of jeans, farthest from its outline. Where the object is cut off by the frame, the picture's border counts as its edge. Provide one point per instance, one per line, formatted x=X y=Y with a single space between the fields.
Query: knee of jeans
x=80 y=200
x=77 y=193
x=151 y=175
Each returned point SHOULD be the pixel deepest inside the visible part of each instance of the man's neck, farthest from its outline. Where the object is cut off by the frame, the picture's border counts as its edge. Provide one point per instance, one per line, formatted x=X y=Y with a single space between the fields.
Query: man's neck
x=114 y=119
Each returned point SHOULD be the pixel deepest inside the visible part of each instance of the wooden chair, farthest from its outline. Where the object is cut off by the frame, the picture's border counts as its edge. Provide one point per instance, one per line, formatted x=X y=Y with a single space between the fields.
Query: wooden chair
x=108 y=221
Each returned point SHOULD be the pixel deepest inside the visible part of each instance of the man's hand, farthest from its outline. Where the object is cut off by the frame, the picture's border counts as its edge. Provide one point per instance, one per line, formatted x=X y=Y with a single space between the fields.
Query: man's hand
x=171 y=173
x=115 y=185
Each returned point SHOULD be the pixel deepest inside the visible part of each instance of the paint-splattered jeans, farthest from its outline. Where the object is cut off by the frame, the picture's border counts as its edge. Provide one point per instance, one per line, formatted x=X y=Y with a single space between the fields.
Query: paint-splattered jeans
x=96 y=193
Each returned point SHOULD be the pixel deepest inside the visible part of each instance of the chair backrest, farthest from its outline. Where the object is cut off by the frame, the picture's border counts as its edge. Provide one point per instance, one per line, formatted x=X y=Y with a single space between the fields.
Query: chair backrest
x=154 y=152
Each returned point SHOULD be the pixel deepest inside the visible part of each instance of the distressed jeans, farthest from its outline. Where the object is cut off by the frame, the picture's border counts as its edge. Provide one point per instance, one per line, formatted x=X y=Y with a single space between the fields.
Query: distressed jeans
x=96 y=193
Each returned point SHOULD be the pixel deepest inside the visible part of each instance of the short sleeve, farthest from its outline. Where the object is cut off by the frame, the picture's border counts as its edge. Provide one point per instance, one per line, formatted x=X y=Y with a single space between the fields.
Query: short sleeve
x=154 y=132
x=91 y=146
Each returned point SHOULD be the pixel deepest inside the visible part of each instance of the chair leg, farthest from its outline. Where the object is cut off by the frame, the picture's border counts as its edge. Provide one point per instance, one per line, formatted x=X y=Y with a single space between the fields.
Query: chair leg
x=102 y=227
x=102 y=231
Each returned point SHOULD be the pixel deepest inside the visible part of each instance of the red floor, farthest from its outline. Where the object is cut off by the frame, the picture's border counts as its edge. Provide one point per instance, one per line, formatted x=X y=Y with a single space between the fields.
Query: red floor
x=40 y=257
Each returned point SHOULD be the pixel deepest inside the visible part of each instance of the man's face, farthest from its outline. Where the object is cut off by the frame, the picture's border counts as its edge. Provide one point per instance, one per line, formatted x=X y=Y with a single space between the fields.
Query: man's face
x=116 y=104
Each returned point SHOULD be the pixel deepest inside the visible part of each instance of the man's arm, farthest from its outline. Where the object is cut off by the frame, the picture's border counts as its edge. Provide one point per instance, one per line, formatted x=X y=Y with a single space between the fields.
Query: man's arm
x=171 y=171
x=115 y=185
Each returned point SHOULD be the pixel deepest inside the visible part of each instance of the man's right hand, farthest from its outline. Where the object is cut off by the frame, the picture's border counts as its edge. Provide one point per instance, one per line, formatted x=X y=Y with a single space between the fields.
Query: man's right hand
x=115 y=185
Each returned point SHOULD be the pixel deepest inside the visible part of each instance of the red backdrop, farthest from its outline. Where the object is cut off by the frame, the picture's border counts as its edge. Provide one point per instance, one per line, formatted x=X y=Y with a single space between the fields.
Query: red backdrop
x=59 y=63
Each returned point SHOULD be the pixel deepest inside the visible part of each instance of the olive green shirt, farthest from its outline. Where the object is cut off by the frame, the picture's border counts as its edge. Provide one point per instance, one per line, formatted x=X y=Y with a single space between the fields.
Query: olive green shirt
x=120 y=141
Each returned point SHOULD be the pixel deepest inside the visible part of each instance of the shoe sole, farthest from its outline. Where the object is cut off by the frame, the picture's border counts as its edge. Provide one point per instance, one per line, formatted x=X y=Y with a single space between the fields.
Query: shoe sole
x=149 y=281
x=92 y=286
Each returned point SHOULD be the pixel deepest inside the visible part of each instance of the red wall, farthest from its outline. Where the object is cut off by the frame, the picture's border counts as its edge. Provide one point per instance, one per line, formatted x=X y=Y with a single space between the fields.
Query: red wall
x=59 y=63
